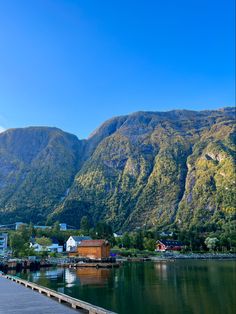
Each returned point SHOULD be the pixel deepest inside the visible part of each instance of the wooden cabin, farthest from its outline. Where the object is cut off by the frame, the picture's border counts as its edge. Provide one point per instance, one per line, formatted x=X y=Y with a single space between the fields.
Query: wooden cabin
x=168 y=245
x=93 y=249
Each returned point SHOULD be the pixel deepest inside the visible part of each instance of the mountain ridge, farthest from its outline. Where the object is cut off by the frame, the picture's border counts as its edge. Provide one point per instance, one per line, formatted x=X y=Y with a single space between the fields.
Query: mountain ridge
x=139 y=170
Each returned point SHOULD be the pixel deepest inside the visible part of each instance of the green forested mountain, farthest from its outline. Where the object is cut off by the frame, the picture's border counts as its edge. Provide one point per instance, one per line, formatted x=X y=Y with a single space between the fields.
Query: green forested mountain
x=146 y=169
x=37 y=166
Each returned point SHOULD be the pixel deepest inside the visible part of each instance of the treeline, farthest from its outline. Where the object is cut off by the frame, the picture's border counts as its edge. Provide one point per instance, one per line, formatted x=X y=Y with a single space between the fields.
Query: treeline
x=213 y=237
x=194 y=239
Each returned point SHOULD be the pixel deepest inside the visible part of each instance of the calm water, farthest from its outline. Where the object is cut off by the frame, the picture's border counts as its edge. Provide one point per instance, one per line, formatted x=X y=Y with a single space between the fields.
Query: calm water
x=150 y=287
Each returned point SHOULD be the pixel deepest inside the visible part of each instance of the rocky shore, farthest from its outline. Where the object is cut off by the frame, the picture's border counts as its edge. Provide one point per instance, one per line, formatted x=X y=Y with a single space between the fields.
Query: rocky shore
x=215 y=256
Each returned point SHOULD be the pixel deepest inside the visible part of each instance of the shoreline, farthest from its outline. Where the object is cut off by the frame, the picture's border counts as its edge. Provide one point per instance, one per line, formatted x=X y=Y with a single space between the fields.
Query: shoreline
x=19 y=265
x=195 y=256
x=172 y=257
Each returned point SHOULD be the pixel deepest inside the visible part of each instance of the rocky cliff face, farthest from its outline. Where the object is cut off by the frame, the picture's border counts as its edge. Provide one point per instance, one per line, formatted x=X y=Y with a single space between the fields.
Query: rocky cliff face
x=142 y=170
x=37 y=168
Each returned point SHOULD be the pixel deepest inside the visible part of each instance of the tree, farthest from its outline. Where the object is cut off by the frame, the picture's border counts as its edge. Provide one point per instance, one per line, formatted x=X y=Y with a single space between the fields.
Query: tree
x=103 y=231
x=16 y=243
x=138 y=240
x=56 y=228
x=84 y=224
x=44 y=242
x=126 y=241
x=211 y=243
x=26 y=251
x=149 y=244
x=24 y=232
x=32 y=231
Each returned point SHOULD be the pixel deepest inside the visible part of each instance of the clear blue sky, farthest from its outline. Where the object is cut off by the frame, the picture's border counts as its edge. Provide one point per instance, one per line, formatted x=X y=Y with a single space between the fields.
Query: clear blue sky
x=75 y=63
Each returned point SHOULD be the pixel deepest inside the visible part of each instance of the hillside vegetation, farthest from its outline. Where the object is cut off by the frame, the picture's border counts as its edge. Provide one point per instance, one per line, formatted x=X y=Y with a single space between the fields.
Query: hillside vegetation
x=147 y=169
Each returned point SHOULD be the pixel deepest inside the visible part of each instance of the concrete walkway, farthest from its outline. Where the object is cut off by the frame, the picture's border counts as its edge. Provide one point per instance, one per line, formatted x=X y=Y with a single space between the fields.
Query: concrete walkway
x=17 y=299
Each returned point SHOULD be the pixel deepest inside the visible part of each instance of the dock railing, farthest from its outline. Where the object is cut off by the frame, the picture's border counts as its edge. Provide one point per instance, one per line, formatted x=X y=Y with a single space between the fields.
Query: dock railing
x=61 y=297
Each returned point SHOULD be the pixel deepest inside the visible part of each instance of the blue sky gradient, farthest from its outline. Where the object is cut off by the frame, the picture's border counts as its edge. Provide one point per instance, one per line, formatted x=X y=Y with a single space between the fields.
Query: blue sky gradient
x=75 y=63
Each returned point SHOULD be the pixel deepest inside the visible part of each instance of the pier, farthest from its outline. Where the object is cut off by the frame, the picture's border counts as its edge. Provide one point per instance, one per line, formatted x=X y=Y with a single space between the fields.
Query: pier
x=14 y=296
x=19 y=264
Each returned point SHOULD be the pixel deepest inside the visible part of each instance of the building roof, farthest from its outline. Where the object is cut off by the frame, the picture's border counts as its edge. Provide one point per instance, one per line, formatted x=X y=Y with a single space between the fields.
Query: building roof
x=91 y=243
x=81 y=238
x=171 y=242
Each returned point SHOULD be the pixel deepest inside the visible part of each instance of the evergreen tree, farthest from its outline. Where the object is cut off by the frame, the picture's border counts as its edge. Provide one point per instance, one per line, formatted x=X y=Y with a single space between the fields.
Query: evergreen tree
x=138 y=240
x=126 y=241
x=84 y=225
x=56 y=227
x=32 y=231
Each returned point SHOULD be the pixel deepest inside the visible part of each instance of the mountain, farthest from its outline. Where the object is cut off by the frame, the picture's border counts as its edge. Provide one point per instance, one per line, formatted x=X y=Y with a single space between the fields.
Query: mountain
x=37 y=165
x=146 y=169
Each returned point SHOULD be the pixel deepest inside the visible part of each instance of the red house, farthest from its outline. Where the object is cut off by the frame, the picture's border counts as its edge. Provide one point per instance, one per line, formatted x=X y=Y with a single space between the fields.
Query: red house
x=168 y=245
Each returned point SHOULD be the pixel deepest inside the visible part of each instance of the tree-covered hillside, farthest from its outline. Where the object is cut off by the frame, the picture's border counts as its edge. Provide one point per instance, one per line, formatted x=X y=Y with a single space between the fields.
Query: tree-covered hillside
x=147 y=169
x=37 y=167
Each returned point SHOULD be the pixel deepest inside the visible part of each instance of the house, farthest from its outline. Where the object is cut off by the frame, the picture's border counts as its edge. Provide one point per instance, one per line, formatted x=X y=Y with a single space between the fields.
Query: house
x=93 y=249
x=53 y=247
x=74 y=241
x=168 y=245
x=167 y=234
x=117 y=235
x=3 y=242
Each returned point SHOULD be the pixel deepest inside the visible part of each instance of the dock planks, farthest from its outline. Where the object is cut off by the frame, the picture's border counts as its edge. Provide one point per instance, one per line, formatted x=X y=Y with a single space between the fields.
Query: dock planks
x=81 y=306
x=17 y=299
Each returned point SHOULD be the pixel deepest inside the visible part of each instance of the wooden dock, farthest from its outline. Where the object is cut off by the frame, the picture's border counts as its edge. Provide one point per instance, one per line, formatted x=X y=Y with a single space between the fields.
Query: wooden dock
x=15 y=297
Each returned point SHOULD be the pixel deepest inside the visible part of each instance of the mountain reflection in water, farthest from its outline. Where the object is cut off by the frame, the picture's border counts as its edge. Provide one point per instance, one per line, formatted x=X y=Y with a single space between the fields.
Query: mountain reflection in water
x=181 y=287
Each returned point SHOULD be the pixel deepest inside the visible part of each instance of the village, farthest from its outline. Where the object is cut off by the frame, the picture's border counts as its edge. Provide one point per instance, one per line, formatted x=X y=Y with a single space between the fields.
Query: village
x=82 y=250
x=34 y=246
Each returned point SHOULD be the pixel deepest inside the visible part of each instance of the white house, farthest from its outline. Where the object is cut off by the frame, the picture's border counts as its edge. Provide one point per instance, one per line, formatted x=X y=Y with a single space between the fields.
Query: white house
x=117 y=234
x=3 y=241
x=74 y=241
x=54 y=247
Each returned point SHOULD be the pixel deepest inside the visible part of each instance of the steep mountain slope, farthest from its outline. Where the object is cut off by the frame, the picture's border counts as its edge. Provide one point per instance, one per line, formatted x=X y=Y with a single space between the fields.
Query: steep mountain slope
x=210 y=183
x=139 y=170
x=37 y=166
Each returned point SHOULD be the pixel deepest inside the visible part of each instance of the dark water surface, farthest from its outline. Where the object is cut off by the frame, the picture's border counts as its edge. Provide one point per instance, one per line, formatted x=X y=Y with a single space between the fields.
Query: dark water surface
x=150 y=287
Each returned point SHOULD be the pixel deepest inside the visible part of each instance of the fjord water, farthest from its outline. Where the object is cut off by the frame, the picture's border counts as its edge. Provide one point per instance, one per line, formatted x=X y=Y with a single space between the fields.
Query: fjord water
x=185 y=286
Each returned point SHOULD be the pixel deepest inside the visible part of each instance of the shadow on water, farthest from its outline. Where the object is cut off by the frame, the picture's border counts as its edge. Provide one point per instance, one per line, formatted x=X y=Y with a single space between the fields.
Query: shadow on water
x=151 y=287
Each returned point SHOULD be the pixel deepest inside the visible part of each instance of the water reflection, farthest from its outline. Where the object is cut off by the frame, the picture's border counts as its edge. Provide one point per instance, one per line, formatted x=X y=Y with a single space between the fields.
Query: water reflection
x=86 y=276
x=70 y=277
x=161 y=268
x=188 y=287
x=92 y=276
